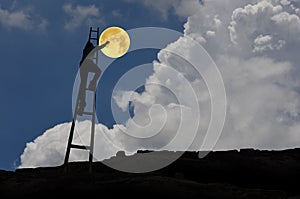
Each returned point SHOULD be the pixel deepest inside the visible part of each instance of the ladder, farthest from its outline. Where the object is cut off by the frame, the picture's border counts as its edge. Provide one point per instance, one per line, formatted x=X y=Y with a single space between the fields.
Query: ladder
x=93 y=35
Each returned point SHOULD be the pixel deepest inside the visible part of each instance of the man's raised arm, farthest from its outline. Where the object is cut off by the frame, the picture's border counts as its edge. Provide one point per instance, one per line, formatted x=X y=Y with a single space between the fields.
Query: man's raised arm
x=103 y=45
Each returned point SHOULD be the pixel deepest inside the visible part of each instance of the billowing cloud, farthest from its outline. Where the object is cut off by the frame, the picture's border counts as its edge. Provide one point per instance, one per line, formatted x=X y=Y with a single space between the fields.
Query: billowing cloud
x=22 y=19
x=79 y=15
x=254 y=47
x=254 y=43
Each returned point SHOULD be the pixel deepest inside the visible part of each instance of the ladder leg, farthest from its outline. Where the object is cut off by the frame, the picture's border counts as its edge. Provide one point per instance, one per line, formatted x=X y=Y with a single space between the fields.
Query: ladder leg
x=71 y=134
x=92 y=135
x=93 y=118
x=69 y=145
x=90 y=34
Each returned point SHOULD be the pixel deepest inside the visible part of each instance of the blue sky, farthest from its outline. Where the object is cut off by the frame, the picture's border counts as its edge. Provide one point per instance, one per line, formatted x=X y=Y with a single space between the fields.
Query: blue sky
x=39 y=61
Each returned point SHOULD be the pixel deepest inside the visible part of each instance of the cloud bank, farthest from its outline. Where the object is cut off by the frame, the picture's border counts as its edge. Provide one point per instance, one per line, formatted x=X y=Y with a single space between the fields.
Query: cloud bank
x=255 y=44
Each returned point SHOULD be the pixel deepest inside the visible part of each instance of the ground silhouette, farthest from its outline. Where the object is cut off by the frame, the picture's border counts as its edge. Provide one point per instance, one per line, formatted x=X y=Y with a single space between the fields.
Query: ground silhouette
x=225 y=174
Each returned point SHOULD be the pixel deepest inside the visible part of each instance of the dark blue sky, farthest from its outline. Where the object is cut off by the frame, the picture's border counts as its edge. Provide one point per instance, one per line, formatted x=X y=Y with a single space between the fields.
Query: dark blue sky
x=38 y=67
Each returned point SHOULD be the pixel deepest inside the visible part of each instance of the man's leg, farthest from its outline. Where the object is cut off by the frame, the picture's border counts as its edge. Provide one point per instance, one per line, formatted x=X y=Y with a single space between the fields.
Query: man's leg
x=82 y=87
x=97 y=72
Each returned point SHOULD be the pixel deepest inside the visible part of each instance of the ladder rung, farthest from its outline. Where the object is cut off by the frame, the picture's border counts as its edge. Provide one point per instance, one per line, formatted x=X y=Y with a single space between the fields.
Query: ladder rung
x=94 y=30
x=80 y=147
x=87 y=89
x=88 y=113
x=93 y=38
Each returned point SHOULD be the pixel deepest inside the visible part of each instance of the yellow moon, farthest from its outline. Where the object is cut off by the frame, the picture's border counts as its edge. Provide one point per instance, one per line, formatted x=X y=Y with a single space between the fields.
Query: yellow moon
x=119 y=42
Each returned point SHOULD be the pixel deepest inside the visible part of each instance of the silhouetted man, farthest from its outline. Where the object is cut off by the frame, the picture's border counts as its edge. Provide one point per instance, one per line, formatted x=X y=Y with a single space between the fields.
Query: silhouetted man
x=87 y=66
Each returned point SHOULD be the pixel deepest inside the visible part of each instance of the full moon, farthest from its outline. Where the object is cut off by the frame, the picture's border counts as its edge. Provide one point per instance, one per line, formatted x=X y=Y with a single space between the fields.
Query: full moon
x=119 y=42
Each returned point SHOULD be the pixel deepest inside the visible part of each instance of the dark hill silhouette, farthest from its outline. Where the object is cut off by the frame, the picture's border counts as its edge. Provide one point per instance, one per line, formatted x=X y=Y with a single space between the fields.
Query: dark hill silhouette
x=229 y=174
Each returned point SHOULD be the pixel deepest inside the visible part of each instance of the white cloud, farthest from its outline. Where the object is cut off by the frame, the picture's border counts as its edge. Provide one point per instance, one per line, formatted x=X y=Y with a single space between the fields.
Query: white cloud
x=261 y=103
x=116 y=13
x=49 y=149
x=210 y=34
x=264 y=43
x=182 y=8
x=43 y=25
x=255 y=44
x=79 y=15
x=263 y=39
x=22 y=19
x=285 y=2
x=290 y=23
x=249 y=18
x=263 y=18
